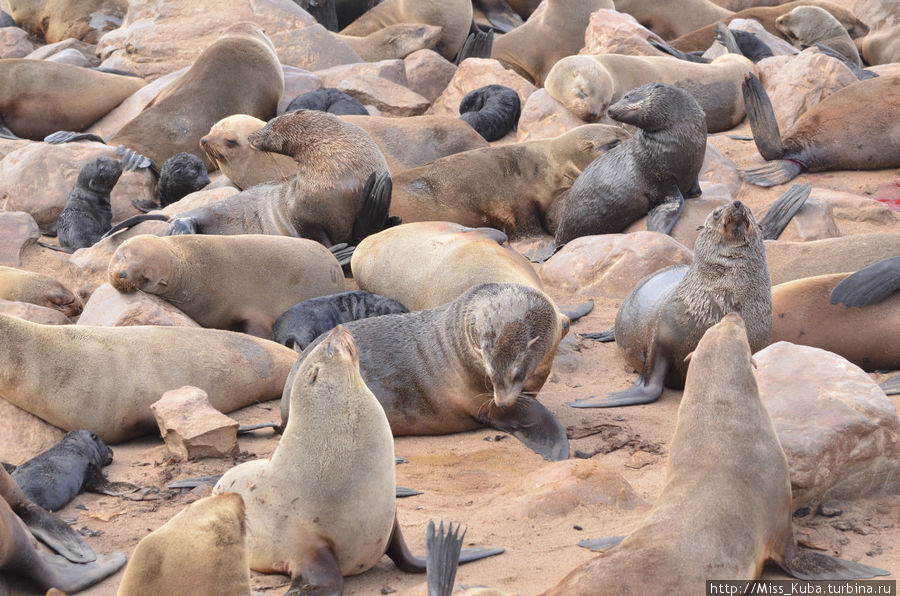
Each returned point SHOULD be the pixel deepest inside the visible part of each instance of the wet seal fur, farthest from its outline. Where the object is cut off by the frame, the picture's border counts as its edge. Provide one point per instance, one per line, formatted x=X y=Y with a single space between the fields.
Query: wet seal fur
x=323 y=506
x=653 y=171
x=724 y=451
x=492 y=110
x=474 y=362
x=663 y=318
x=227 y=282
x=19 y=285
x=88 y=213
x=304 y=322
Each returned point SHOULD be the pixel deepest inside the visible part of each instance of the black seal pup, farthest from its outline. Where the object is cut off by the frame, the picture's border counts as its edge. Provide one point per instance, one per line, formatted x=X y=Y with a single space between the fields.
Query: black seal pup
x=88 y=214
x=492 y=110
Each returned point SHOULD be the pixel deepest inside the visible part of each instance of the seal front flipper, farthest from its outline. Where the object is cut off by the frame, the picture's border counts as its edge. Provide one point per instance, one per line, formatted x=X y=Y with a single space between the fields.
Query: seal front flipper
x=773 y=173
x=442 y=558
x=67 y=136
x=597 y=545
x=56 y=572
x=499 y=14
x=342 y=253
x=184 y=225
x=372 y=209
x=601 y=336
x=891 y=386
x=664 y=216
x=410 y=563
x=6 y=133
x=676 y=53
x=807 y=564
x=644 y=391
x=316 y=572
x=533 y=424
x=870 y=285
x=478 y=45
x=579 y=310
x=783 y=210
x=402 y=492
x=55 y=533
x=766 y=134
x=133 y=221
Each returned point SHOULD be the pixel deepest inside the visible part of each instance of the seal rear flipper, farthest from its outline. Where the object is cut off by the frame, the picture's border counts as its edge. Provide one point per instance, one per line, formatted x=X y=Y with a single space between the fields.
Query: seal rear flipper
x=766 y=134
x=132 y=160
x=891 y=386
x=533 y=424
x=6 y=133
x=316 y=572
x=55 y=572
x=773 y=173
x=195 y=482
x=146 y=205
x=676 y=53
x=499 y=14
x=494 y=234
x=246 y=428
x=55 y=533
x=403 y=558
x=403 y=493
x=373 y=206
x=183 y=225
x=133 y=221
x=726 y=38
x=811 y=565
x=751 y=46
x=442 y=558
x=601 y=336
x=783 y=210
x=579 y=310
x=644 y=391
x=68 y=136
x=478 y=45
x=598 y=545
x=870 y=285
x=664 y=216
x=858 y=71
x=113 y=489
x=543 y=252
x=342 y=253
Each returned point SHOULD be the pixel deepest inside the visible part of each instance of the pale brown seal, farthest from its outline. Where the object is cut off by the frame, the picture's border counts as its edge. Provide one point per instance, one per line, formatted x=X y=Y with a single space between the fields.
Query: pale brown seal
x=19 y=285
x=844 y=254
x=881 y=46
x=394 y=41
x=56 y=20
x=226 y=282
x=673 y=19
x=724 y=451
x=806 y=26
x=227 y=145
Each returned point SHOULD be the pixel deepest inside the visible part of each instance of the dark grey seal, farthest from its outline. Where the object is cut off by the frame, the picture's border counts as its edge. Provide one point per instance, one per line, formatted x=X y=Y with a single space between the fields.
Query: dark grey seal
x=88 y=214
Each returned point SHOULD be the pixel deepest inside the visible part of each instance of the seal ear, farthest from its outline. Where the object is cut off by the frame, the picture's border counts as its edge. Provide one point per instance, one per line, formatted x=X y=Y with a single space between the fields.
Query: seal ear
x=311 y=374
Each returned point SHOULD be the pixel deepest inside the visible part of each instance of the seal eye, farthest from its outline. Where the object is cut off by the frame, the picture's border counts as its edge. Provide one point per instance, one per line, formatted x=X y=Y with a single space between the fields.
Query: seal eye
x=231 y=142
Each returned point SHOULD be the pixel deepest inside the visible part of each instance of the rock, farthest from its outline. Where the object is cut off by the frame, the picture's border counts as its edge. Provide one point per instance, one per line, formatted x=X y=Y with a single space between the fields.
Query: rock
x=34 y=313
x=610 y=265
x=840 y=432
x=611 y=32
x=779 y=46
x=472 y=74
x=14 y=43
x=72 y=57
x=30 y=437
x=312 y=48
x=39 y=177
x=7 y=146
x=692 y=216
x=297 y=81
x=558 y=488
x=17 y=230
x=191 y=427
x=428 y=73
x=543 y=117
x=390 y=98
x=849 y=209
x=717 y=168
x=110 y=124
x=51 y=51
x=391 y=70
x=795 y=84
x=108 y=307
x=814 y=221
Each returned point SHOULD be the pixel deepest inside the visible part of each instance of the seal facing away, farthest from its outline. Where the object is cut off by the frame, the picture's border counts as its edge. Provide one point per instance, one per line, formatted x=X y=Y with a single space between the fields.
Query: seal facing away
x=88 y=214
x=854 y=128
x=323 y=506
x=724 y=451
x=653 y=171
x=472 y=363
x=663 y=318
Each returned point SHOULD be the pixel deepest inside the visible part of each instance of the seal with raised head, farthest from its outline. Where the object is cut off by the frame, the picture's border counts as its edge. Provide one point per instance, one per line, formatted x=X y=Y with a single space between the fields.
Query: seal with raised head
x=588 y=84
x=101 y=378
x=474 y=362
x=653 y=171
x=855 y=128
x=806 y=26
x=201 y=550
x=324 y=506
x=663 y=318
x=88 y=213
x=19 y=285
x=724 y=451
x=226 y=281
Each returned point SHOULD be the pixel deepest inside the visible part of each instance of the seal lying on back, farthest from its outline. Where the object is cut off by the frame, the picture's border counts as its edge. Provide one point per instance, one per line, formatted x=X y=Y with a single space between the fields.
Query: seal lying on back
x=653 y=171
x=854 y=128
x=88 y=213
x=465 y=365
x=663 y=318
x=724 y=456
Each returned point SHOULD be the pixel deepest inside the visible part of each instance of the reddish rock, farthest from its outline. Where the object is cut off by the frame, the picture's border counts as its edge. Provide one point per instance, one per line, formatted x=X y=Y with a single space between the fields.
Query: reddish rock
x=612 y=32
x=17 y=230
x=297 y=81
x=191 y=427
x=692 y=216
x=472 y=74
x=109 y=308
x=814 y=221
x=428 y=73
x=52 y=50
x=391 y=70
x=26 y=434
x=390 y=98
x=849 y=209
x=543 y=117
x=14 y=43
x=311 y=48
x=717 y=168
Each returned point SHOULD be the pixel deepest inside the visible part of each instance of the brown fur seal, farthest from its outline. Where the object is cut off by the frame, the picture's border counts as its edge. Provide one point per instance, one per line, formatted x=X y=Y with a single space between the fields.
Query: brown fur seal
x=653 y=171
x=227 y=282
x=105 y=378
x=795 y=260
x=546 y=37
x=675 y=19
x=854 y=128
x=394 y=42
x=323 y=506
x=587 y=85
x=806 y=26
x=867 y=336
x=200 y=551
x=724 y=451
x=474 y=362
x=226 y=144
x=454 y=16
x=663 y=318
x=39 y=97
x=186 y=109
x=56 y=20
x=701 y=39
x=508 y=187
x=19 y=285
x=880 y=47
x=426 y=264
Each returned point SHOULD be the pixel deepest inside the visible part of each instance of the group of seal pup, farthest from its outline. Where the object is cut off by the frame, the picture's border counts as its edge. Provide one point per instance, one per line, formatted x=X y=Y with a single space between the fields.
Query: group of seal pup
x=451 y=328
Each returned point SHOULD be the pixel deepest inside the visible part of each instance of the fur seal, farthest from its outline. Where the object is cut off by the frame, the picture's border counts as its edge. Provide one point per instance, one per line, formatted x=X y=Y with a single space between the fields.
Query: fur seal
x=676 y=19
x=101 y=378
x=183 y=112
x=653 y=171
x=492 y=110
x=394 y=42
x=724 y=450
x=19 y=285
x=180 y=175
x=869 y=285
x=202 y=551
x=324 y=506
x=39 y=97
x=454 y=16
x=855 y=128
x=508 y=187
x=56 y=20
x=76 y=567
x=227 y=146
x=806 y=26
x=474 y=362
x=796 y=260
x=328 y=99
x=880 y=47
x=546 y=37
x=663 y=318
x=226 y=281
x=304 y=322
x=588 y=84
x=88 y=213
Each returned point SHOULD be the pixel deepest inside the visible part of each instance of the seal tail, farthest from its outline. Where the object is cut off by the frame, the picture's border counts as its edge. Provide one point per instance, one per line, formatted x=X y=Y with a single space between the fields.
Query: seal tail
x=478 y=45
x=442 y=558
x=811 y=565
x=870 y=285
x=133 y=221
x=783 y=210
x=766 y=134
x=773 y=173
